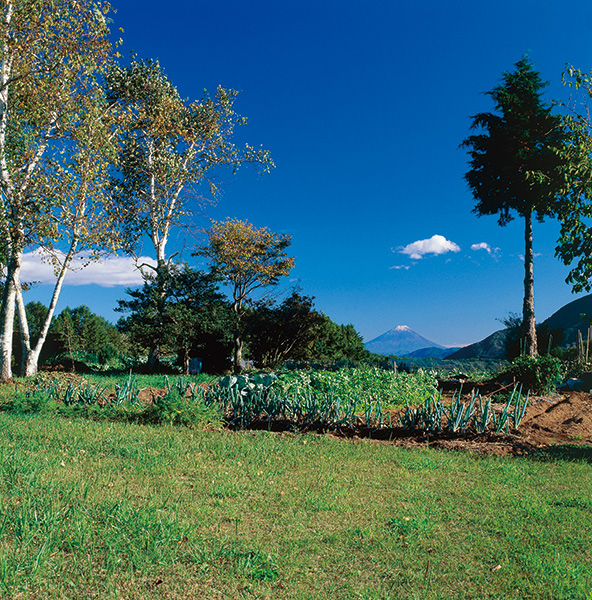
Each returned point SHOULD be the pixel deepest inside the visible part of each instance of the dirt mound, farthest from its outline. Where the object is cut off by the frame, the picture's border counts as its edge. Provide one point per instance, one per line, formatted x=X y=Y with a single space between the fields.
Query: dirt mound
x=558 y=425
x=565 y=418
x=551 y=425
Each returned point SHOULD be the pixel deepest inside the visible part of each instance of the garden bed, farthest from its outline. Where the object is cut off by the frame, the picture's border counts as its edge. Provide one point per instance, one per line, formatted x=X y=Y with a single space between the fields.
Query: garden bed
x=549 y=422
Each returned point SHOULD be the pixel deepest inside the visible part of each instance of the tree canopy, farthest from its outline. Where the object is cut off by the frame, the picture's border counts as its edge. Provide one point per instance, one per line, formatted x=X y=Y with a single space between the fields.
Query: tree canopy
x=574 y=246
x=517 y=165
x=172 y=147
x=54 y=143
x=192 y=319
x=247 y=259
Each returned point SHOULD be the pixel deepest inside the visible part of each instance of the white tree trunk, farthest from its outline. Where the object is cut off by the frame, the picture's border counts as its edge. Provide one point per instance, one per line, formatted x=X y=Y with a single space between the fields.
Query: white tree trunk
x=8 y=311
x=31 y=355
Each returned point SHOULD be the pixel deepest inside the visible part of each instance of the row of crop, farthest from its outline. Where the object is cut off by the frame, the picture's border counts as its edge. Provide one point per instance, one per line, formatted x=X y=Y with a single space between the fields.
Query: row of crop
x=477 y=414
x=245 y=400
x=248 y=400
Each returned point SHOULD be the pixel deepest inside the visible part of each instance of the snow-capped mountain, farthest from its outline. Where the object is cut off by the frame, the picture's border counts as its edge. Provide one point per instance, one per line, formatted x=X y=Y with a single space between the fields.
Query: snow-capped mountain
x=400 y=341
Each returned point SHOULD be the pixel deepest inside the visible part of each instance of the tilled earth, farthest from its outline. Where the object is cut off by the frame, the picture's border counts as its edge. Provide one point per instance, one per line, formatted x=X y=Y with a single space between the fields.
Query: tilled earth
x=559 y=424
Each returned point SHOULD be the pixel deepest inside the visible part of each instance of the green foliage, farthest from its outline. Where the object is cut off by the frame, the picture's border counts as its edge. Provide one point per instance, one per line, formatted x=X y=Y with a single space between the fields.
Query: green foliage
x=347 y=397
x=248 y=385
x=174 y=408
x=171 y=146
x=515 y=160
x=574 y=246
x=56 y=137
x=179 y=310
x=366 y=383
x=334 y=343
x=30 y=402
x=517 y=165
x=179 y=405
x=295 y=332
x=248 y=260
x=79 y=330
x=278 y=333
x=539 y=374
x=476 y=414
x=476 y=369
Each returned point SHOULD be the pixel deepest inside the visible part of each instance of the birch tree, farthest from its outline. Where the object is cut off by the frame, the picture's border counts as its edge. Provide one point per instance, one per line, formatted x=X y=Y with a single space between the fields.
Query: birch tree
x=50 y=51
x=173 y=148
x=86 y=219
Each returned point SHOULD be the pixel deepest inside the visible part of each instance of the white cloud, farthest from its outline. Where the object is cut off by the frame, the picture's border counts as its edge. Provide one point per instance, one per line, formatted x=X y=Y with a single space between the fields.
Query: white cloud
x=110 y=272
x=406 y=267
x=485 y=246
x=437 y=244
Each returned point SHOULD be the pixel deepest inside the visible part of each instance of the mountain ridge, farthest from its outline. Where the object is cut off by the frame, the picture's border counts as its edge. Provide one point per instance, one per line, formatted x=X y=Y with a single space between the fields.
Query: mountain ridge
x=567 y=319
x=400 y=341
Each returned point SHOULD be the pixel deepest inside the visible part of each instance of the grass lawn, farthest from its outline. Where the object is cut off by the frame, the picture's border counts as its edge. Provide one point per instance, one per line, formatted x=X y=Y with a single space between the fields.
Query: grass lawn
x=107 y=510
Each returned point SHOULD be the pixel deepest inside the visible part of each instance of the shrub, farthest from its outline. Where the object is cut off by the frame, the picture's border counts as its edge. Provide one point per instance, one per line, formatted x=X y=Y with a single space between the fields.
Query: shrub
x=175 y=409
x=539 y=374
x=31 y=402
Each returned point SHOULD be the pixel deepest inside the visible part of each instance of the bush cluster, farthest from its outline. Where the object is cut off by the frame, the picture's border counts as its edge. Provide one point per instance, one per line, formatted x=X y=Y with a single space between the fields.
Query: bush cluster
x=174 y=407
x=539 y=374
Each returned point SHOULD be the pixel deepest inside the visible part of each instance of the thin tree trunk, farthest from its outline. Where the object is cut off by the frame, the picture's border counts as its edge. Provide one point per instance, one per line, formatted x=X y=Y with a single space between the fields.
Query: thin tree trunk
x=238 y=352
x=31 y=360
x=154 y=352
x=8 y=311
x=528 y=318
x=24 y=326
x=237 y=306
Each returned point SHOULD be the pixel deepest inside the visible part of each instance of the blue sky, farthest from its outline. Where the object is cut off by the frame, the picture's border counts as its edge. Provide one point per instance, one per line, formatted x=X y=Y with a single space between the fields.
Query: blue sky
x=363 y=105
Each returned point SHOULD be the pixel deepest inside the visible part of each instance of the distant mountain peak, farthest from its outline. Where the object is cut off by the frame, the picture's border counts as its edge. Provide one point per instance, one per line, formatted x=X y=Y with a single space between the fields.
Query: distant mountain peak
x=400 y=341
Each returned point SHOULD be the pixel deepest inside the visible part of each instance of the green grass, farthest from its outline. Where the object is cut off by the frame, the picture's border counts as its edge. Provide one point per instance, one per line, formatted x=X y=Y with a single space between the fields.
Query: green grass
x=110 y=510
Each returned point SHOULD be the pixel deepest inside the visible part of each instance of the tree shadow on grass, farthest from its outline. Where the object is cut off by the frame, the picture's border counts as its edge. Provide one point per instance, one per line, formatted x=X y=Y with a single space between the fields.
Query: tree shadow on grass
x=568 y=452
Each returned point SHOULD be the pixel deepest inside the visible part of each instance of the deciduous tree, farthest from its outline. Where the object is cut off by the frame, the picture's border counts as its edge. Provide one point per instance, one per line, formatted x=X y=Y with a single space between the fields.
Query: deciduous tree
x=517 y=165
x=50 y=53
x=334 y=342
x=247 y=259
x=287 y=331
x=172 y=148
x=574 y=246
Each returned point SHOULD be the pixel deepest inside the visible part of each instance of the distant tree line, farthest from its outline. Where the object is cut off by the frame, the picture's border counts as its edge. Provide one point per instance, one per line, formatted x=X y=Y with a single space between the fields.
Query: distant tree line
x=197 y=322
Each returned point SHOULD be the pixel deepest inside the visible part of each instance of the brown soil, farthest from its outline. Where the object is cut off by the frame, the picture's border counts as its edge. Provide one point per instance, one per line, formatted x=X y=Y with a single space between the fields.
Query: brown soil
x=560 y=419
x=555 y=425
x=559 y=424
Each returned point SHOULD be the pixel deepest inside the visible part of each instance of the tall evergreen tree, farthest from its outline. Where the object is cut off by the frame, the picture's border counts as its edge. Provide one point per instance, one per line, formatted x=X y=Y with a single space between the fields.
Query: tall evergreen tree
x=516 y=166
